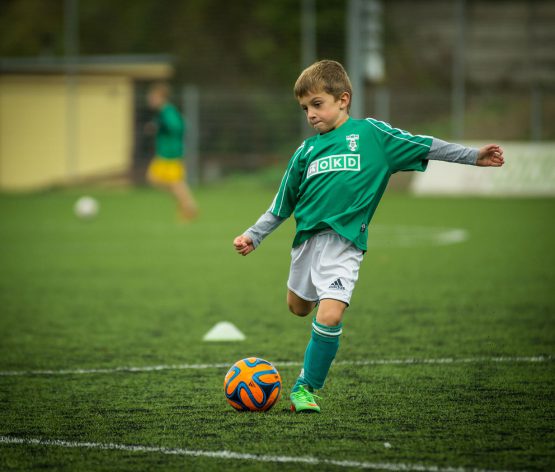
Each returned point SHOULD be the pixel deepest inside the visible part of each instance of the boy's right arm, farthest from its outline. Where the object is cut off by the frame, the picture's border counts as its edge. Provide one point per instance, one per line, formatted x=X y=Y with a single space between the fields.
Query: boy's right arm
x=283 y=205
x=251 y=238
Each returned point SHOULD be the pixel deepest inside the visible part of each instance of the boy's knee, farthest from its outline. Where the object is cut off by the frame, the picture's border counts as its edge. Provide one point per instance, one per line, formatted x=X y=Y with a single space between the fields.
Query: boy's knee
x=299 y=310
x=331 y=312
x=298 y=306
x=329 y=319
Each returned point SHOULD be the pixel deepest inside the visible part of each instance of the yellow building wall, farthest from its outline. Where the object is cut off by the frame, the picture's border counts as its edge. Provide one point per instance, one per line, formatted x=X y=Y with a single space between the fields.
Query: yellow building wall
x=105 y=118
x=35 y=145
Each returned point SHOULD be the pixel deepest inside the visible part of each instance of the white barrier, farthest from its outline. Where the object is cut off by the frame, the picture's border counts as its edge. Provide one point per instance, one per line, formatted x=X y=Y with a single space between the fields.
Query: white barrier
x=529 y=170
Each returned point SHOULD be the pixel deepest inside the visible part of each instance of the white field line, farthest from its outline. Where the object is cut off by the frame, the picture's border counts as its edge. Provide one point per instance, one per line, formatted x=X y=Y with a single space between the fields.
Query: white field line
x=230 y=455
x=369 y=362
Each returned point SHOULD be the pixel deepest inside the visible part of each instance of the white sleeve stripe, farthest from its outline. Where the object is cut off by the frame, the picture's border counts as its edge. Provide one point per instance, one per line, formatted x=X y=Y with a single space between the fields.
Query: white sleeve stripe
x=283 y=184
x=273 y=202
x=397 y=137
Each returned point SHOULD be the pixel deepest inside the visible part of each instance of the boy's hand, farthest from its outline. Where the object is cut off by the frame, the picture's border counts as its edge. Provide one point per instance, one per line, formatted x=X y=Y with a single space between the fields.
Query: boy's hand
x=243 y=245
x=491 y=155
x=150 y=128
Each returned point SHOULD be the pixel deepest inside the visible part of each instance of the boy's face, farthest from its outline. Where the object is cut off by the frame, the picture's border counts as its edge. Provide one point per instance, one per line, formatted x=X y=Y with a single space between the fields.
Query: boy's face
x=155 y=99
x=323 y=111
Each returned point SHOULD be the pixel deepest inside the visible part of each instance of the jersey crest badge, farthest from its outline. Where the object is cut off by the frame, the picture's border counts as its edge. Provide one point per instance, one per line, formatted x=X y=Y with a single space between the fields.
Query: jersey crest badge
x=352 y=142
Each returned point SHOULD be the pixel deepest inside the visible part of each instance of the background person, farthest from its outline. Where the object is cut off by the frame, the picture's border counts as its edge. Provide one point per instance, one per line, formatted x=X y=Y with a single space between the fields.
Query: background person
x=167 y=169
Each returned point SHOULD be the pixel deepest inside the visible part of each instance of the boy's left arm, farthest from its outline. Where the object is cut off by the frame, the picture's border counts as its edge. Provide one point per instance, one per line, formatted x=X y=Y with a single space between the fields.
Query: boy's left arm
x=490 y=155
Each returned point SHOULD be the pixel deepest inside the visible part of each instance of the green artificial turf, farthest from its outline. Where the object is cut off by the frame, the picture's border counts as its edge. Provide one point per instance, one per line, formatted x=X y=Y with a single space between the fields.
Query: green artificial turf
x=133 y=287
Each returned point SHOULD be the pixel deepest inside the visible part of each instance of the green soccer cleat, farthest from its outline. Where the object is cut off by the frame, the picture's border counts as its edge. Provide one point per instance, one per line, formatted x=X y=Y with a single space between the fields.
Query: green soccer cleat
x=302 y=401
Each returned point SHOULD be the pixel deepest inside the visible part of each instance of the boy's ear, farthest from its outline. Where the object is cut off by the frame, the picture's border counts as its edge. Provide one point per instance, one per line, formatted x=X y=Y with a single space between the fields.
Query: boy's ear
x=345 y=99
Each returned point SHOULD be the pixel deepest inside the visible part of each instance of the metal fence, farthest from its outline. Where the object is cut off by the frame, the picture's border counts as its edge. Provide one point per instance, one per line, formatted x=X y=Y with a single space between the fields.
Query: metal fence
x=241 y=131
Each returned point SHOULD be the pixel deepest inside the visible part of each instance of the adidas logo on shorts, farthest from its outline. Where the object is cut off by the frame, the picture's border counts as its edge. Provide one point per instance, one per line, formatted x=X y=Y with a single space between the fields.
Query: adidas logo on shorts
x=337 y=285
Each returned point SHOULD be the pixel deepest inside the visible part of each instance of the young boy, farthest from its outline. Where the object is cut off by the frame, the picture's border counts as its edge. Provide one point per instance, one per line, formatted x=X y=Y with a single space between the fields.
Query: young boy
x=166 y=169
x=333 y=184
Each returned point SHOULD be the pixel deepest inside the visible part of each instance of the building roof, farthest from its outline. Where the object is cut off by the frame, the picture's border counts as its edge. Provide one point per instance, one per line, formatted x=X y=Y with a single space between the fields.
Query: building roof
x=147 y=67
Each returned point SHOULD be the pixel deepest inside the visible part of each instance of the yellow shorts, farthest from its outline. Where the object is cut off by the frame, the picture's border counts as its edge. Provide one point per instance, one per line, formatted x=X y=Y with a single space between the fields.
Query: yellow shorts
x=165 y=171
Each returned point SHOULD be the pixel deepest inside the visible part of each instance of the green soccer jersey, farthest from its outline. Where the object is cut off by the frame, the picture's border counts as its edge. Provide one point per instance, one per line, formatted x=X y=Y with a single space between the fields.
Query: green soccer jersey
x=336 y=180
x=169 y=137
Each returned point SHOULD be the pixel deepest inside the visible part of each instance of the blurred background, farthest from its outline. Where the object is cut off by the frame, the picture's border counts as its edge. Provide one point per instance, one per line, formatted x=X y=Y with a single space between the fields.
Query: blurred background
x=74 y=76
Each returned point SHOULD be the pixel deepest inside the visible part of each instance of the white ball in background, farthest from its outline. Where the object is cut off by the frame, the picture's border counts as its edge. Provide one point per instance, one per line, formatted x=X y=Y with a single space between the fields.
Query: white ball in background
x=86 y=207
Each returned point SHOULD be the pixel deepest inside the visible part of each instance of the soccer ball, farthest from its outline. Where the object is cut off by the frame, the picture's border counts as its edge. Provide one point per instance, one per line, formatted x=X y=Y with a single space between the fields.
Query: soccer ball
x=252 y=384
x=86 y=207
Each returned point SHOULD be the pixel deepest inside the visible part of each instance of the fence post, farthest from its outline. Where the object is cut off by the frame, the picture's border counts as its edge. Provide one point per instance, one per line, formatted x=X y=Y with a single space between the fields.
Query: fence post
x=190 y=101
x=458 y=71
x=308 y=49
x=382 y=103
x=354 y=66
x=71 y=59
x=536 y=112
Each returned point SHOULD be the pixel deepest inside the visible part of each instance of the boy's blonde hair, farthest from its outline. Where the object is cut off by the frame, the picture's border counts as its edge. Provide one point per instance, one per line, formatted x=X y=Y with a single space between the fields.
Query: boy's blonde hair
x=326 y=75
x=162 y=88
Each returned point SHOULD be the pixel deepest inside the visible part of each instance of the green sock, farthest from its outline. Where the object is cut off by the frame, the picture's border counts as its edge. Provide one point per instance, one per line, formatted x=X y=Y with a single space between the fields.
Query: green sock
x=319 y=355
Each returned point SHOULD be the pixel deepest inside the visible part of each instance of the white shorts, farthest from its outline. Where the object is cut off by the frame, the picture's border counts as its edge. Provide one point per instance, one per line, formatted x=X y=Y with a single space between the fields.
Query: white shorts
x=325 y=266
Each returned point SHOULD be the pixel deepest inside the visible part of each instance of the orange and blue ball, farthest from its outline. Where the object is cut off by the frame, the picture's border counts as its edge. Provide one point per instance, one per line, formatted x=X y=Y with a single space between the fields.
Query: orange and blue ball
x=252 y=384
